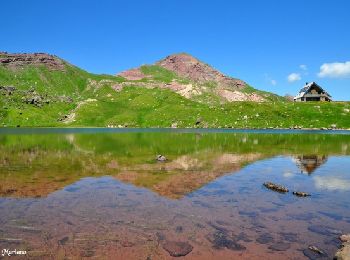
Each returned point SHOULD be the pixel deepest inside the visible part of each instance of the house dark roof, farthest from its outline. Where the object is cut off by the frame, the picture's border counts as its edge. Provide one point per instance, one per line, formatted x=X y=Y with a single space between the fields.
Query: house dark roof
x=304 y=89
x=307 y=87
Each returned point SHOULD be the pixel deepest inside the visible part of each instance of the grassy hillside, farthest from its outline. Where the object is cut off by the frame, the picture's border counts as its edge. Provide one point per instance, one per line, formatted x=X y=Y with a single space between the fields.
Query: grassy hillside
x=73 y=97
x=140 y=107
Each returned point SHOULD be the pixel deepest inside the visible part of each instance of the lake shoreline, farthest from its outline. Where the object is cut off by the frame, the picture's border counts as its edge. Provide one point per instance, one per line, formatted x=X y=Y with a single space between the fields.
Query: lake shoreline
x=90 y=129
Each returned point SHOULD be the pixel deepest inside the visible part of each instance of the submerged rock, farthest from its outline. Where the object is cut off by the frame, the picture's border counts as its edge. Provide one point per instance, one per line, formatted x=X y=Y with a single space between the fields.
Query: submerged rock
x=331 y=215
x=221 y=240
x=316 y=250
x=312 y=255
x=276 y=187
x=179 y=229
x=63 y=241
x=290 y=237
x=243 y=237
x=279 y=246
x=264 y=238
x=323 y=230
x=176 y=248
x=301 y=194
x=251 y=214
x=160 y=236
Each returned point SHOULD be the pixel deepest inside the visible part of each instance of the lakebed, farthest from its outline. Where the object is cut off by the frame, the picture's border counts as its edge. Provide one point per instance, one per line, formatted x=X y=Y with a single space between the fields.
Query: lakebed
x=101 y=193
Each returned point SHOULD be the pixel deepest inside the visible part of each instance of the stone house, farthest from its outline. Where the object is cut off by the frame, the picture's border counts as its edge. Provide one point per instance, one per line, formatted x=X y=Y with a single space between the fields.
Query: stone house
x=312 y=92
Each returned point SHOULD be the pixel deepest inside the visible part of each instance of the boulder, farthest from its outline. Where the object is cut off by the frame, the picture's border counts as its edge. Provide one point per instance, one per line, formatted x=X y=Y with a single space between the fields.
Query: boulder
x=198 y=121
x=161 y=158
x=7 y=90
x=344 y=252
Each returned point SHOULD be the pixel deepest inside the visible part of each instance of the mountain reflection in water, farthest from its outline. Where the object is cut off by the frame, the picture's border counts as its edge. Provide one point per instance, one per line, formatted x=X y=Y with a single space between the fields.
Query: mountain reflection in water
x=104 y=194
x=309 y=163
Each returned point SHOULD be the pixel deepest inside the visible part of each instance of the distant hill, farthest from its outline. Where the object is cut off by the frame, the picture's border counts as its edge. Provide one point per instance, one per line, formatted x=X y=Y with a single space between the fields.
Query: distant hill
x=178 y=91
x=193 y=79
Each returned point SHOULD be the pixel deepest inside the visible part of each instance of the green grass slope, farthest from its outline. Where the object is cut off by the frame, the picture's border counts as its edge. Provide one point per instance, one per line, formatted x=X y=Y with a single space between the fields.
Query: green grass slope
x=59 y=93
x=74 y=97
x=141 y=107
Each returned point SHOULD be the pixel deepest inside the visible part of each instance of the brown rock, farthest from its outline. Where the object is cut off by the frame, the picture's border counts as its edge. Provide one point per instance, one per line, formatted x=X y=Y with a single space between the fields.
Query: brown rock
x=316 y=250
x=344 y=252
x=276 y=187
x=301 y=194
x=345 y=238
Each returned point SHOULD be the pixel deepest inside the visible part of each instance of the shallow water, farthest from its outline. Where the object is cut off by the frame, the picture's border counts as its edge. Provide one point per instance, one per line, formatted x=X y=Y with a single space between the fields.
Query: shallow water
x=101 y=194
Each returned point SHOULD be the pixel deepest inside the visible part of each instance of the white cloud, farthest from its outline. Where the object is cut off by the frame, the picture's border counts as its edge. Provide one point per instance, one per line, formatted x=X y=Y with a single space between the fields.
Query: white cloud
x=288 y=174
x=273 y=82
x=294 y=77
x=332 y=183
x=303 y=67
x=335 y=70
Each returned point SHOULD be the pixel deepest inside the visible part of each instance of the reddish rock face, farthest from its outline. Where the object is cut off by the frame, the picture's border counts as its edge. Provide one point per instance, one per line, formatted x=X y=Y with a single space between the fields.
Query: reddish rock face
x=132 y=74
x=189 y=67
x=19 y=60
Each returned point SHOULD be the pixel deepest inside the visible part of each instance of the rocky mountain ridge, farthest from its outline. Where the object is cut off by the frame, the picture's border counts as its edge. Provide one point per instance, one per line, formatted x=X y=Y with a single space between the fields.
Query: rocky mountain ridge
x=20 y=60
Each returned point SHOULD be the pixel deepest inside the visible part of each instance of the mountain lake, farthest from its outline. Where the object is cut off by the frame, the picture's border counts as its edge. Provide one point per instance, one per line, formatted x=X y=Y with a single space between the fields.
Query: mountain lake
x=101 y=193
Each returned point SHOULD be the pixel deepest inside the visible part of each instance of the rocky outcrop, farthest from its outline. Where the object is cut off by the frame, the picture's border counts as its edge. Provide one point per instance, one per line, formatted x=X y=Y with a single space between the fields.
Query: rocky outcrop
x=20 y=60
x=186 y=66
x=132 y=74
x=235 y=95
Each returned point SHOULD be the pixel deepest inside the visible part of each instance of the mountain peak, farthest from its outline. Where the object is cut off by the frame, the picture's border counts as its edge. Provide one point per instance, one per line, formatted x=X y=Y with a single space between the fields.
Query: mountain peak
x=187 y=66
x=183 y=56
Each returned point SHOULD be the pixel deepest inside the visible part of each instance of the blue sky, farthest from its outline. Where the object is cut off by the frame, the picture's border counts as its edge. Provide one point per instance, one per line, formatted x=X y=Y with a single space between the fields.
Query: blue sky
x=261 y=42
